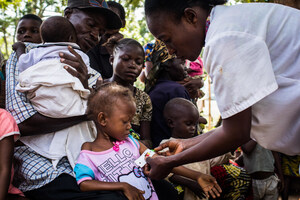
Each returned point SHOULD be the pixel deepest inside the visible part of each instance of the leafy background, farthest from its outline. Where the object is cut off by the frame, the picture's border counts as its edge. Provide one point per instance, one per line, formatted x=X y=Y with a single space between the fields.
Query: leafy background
x=12 y=10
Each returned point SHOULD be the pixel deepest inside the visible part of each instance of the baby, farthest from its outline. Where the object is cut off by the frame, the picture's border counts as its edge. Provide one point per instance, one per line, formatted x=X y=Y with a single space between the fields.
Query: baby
x=182 y=117
x=54 y=92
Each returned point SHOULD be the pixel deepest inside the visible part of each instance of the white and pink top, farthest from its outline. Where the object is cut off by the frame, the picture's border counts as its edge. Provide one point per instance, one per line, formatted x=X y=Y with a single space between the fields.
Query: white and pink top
x=115 y=165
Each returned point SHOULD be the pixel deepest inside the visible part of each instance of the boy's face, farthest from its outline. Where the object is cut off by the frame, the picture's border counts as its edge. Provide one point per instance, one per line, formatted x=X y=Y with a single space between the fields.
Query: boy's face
x=118 y=122
x=176 y=70
x=28 y=30
x=128 y=63
x=185 y=125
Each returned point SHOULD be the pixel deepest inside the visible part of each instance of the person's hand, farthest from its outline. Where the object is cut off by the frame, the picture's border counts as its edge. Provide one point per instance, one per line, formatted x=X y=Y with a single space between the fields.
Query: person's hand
x=132 y=193
x=18 y=46
x=175 y=146
x=209 y=185
x=192 y=86
x=157 y=168
x=81 y=71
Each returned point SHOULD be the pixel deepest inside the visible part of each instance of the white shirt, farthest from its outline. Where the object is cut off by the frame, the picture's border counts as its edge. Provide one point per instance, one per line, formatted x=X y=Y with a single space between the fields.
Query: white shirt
x=252 y=53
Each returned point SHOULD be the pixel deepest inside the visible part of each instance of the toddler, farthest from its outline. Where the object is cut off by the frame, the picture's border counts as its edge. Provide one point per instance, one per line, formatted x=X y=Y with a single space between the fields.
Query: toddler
x=127 y=61
x=108 y=163
x=9 y=132
x=54 y=92
x=182 y=116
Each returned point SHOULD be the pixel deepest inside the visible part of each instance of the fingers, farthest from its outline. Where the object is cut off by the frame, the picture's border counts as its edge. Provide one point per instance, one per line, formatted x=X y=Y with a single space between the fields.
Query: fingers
x=162 y=146
x=218 y=187
x=71 y=71
x=74 y=61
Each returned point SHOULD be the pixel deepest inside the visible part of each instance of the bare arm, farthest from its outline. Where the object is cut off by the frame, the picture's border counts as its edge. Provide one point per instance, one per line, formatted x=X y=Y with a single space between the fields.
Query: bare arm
x=39 y=124
x=208 y=183
x=279 y=170
x=249 y=147
x=145 y=133
x=6 y=152
x=130 y=192
x=186 y=182
x=19 y=48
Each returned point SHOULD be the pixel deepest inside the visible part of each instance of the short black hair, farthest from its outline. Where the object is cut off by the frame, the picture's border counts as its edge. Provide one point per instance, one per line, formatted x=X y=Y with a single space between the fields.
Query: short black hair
x=177 y=7
x=32 y=16
x=117 y=6
x=57 y=29
x=126 y=42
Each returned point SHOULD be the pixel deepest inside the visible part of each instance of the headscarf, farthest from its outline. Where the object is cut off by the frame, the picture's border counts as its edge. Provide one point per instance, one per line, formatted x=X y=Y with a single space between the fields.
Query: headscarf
x=157 y=53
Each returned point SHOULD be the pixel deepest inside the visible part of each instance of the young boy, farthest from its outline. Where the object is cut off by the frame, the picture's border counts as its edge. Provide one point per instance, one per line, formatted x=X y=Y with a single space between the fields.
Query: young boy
x=53 y=91
x=182 y=116
x=28 y=29
x=165 y=88
x=260 y=163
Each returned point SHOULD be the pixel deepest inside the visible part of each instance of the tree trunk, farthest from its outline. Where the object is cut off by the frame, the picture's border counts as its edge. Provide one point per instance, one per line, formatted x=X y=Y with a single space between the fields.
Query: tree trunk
x=292 y=3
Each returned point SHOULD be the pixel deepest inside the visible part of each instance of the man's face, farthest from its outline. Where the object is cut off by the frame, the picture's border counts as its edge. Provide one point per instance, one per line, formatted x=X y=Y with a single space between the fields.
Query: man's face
x=89 y=24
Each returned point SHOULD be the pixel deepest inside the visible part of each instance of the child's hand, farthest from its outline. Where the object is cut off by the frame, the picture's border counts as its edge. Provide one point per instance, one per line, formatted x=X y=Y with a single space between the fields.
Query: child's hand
x=132 y=193
x=18 y=45
x=209 y=185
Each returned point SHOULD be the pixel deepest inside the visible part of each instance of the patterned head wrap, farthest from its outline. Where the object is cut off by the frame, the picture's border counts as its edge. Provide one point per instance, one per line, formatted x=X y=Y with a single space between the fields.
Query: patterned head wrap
x=157 y=53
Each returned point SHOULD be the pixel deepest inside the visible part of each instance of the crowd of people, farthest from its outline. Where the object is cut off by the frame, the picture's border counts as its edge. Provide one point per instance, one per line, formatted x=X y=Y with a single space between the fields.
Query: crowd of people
x=74 y=125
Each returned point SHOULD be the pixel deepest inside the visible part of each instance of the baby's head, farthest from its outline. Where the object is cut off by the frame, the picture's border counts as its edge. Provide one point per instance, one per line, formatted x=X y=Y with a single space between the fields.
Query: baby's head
x=181 y=116
x=127 y=59
x=58 y=29
x=28 y=29
x=112 y=108
x=174 y=68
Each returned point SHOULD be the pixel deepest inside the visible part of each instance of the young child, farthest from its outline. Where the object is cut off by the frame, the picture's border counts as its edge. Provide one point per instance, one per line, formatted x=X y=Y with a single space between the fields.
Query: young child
x=127 y=61
x=28 y=29
x=54 y=92
x=261 y=163
x=165 y=88
x=182 y=117
x=108 y=163
x=9 y=132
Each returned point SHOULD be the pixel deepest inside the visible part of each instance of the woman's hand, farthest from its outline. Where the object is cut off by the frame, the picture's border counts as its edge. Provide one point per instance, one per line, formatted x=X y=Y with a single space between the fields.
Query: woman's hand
x=157 y=167
x=81 y=71
x=209 y=185
x=132 y=193
x=175 y=146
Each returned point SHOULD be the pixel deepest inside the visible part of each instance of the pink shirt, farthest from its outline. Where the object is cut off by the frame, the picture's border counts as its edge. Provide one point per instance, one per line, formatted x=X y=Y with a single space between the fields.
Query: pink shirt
x=9 y=127
x=115 y=166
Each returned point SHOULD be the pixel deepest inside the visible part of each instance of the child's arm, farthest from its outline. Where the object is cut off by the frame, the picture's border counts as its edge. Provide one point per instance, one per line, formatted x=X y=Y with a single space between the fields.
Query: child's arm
x=279 y=171
x=145 y=133
x=6 y=152
x=249 y=147
x=186 y=182
x=206 y=182
x=19 y=48
x=130 y=192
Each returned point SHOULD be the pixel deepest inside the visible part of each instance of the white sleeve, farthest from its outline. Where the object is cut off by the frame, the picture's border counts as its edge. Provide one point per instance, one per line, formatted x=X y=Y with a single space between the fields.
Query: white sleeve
x=25 y=61
x=241 y=69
